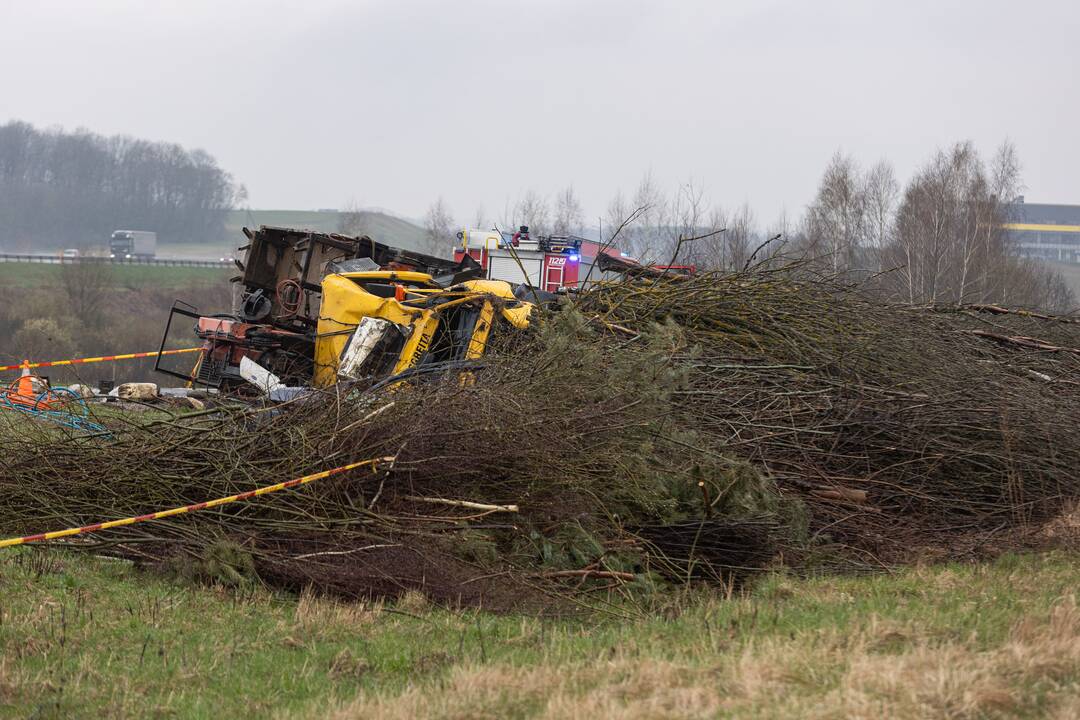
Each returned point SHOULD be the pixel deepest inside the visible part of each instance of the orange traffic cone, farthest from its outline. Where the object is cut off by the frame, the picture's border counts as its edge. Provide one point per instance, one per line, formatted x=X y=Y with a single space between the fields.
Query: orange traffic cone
x=27 y=387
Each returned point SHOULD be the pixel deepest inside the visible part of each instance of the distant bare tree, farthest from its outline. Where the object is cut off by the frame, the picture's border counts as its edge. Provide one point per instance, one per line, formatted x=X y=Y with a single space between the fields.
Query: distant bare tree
x=949 y=244
x=926 y=228
x=714 y=252
x=569 y=217
x=353 y=221
x=480 y=218
x=784 y=230
x=644 y=238
x=741 y=236
x=88 y=287
x=836 y=222
x=936 y=225
x=881 y=193
x=532 y=211
x=684 y=217
x=662 y=227
x=1005 y=186
x=1006 y=182
x=439 y=229
x=618 y=210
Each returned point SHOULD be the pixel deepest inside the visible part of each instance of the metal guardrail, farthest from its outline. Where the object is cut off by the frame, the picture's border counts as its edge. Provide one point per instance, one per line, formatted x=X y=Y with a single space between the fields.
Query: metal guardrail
x=51 y=259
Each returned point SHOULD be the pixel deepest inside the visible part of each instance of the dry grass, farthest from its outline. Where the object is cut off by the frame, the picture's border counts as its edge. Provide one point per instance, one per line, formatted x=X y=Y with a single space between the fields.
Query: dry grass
x=1036 y=669
x=86 y=637
x=883 y=669
x=319 y=611
x=1063 y=531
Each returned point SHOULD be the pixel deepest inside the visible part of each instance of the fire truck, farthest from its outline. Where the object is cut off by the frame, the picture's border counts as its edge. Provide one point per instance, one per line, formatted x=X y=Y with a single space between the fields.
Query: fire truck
x=551 y=263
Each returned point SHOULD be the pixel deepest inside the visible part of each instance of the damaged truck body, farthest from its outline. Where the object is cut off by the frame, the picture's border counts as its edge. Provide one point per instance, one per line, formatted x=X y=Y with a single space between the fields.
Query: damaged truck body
x=317 y=307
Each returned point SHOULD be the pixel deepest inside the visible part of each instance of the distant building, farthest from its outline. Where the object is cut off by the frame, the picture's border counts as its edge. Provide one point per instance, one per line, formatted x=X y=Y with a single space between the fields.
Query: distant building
x=1049 y=232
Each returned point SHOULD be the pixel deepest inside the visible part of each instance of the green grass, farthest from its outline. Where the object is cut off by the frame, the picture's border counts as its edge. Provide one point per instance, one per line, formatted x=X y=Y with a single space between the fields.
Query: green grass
x=382 y=227
x=82 y=636
x=30 y=275
x=202 y=251
x=306 y=219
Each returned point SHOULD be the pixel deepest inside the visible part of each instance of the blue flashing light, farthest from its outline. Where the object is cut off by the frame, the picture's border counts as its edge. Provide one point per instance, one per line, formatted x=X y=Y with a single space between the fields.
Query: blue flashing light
x=574 y=257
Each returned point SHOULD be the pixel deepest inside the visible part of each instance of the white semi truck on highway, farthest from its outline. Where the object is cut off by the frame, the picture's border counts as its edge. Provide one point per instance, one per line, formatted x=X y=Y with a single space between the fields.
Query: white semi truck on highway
x=130 y=244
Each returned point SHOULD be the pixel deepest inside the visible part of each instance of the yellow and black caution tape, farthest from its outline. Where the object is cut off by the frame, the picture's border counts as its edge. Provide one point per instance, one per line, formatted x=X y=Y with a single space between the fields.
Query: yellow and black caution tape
x=103 y=358
x=374 y=463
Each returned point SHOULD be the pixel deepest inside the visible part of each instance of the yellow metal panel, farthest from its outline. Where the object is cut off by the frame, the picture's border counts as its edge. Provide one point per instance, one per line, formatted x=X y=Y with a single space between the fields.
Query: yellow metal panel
x=478 y=341
x=498 y=288
x=402 y=276
x=419 y=342
x=344 y=303
x=518 y=316
x=1033 y=227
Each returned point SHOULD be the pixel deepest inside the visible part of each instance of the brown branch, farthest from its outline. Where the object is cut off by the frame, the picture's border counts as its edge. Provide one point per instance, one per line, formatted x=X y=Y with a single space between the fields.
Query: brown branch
x=1023 y=341
x=464 y=503
x=611 y=574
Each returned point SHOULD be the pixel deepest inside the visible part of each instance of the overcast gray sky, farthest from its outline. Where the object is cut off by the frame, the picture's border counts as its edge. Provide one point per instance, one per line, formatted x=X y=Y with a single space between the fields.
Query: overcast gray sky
x=392 y=104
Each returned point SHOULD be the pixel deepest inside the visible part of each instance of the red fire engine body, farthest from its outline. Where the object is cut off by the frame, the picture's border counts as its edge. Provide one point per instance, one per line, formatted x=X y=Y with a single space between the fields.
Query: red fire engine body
x=547 y=262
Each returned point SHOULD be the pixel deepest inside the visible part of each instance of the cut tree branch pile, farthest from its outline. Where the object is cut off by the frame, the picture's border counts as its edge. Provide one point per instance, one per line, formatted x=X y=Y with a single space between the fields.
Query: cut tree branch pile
x=677 y=430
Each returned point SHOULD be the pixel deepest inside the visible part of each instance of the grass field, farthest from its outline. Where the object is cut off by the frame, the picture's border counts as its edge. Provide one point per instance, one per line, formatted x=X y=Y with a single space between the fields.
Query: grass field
x=385 y=228
x=202 y=251
x=85 y=637
x=31 y=275
x=382 y=227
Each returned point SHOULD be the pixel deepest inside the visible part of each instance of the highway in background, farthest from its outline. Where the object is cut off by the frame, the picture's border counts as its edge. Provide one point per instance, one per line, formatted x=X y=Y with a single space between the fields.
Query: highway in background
x=59 y=259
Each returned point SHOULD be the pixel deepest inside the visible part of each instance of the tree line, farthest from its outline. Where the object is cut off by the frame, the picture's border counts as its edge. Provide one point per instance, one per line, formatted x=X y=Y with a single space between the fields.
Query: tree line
x=72 y=189
x=938 y=239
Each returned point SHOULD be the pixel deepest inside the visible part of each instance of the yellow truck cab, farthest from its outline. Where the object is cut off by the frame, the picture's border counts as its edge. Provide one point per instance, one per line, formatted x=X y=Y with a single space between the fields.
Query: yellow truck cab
x=381 y=323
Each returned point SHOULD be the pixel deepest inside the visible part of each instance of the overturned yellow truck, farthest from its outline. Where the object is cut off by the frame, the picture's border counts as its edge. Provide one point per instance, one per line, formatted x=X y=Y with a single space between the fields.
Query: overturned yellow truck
x=362 y=333
x=314 y=308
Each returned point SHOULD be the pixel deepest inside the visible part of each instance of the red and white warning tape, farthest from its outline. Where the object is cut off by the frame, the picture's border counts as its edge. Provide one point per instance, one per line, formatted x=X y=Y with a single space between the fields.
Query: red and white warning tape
x=374 y=463
x=104 y=358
